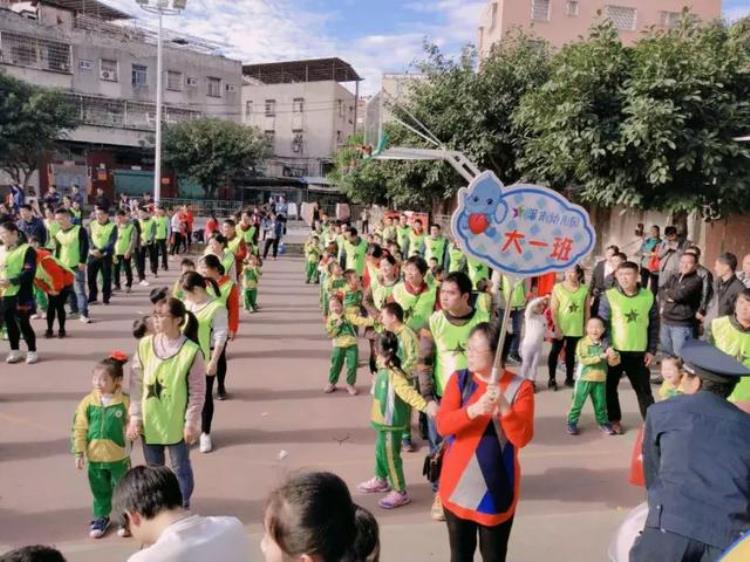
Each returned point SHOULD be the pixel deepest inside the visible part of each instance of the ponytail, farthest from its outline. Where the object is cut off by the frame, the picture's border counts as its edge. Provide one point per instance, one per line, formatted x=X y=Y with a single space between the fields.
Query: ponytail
x=366 y=547
x=190 y=329
x=192 y=279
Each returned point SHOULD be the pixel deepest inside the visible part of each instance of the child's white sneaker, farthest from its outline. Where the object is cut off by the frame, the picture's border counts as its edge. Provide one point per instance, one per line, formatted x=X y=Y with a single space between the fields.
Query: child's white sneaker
x=32 y=357
x=206 y=446
x=14 y=356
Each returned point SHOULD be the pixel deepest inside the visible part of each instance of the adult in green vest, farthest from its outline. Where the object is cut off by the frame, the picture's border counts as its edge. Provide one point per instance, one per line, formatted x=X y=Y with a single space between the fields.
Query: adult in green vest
x=731 y=334
x=217 y=245
x=355 y=250
x=416 y=297
x=249 y=231
x=17 y=271
x=378 y=295
x=147 y=247
x=416 y=239
x=456 y=258
x=125 y=248
x=162 y=235
x=213 y=333
x=516 y=299
x=632 y=319
x=72 y=250
x=390 y=231
x=476 y=271
x=103 y=236
x=167 y=389
x=402 y=235
x=442 y=349
x=570 y=311
x=52 y=228
x=436 y=246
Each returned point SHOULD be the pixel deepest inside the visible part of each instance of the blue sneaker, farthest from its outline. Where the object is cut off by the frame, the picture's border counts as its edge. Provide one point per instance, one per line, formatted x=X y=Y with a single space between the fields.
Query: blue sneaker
x=573 y=429
x=98 y=528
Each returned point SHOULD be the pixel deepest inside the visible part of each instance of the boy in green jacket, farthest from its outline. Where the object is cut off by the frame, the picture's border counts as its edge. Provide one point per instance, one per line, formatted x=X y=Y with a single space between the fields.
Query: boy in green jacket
x=341 y=328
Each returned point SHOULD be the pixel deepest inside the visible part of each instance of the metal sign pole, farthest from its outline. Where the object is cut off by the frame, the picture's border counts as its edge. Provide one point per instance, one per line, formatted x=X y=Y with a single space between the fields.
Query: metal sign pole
x=496 y=366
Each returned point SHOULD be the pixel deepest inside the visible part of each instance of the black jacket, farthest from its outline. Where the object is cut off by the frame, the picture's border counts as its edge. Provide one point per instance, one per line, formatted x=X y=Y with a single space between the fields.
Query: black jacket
x=725 y=296
x=681 y=299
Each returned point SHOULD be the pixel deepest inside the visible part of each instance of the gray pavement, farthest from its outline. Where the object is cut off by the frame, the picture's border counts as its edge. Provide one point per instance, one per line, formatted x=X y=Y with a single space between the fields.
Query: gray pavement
x=574 y=490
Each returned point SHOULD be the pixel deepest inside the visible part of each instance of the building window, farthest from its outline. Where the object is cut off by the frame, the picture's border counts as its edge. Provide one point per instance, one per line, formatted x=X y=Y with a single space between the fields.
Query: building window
x=139 y=76
x=298 y=105
x=248 y=110
x=174 y=80
x=270 y=137
x=339 y=138
x=540 y=10
x=270 y=108
x=298 y=142
x=35 y=53
x=340 y=107
x=571 y=8
x=108 y=70
x=623 y=17
x=214 y=87
x=670 y=19
x=493 y=16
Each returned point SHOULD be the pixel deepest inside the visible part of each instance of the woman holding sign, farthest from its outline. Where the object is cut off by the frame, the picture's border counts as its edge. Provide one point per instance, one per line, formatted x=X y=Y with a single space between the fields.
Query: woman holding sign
x=485 y=425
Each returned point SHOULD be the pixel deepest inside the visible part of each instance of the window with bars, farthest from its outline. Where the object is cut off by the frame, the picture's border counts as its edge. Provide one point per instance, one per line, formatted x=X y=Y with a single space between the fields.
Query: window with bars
x=270 y=137
x=248 y=110
x=623 y=17
x=108 y=70
x=270 y=108
x=670 y=19
x=340 y=107
x=540 y=10
x=28 y=51
x=139 y=76
x=214 y=87
x=174 y=80
x=298 y=105
x=571 y=8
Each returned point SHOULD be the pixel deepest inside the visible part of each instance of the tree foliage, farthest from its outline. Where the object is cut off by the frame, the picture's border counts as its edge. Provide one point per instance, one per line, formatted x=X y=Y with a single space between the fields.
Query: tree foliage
x=213 y=152
x=32 y=120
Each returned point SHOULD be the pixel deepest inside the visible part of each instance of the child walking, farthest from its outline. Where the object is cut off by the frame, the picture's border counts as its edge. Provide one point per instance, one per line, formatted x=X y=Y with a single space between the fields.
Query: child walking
x=312 y=257
x=341 y=329
x=533 y=338
x=99 y=437
x=391 y=415
x=251 y=274
x=593 y=358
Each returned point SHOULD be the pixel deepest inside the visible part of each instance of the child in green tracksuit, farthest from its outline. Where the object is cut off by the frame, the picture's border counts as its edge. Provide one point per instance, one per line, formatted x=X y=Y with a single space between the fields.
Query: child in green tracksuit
x=251 y=274
x=99 y=438
x=334 y=284
x=342 y=329
x=393 y=398
x=312 y=257
x=593 y=357
x=352 y=293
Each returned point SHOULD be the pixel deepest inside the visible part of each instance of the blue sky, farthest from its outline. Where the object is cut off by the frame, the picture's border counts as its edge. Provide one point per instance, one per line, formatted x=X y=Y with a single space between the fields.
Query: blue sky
x=375 y=36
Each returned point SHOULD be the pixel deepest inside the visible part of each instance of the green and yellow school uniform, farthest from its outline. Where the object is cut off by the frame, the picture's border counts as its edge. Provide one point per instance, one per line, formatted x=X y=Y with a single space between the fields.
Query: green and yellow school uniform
x=250 y=278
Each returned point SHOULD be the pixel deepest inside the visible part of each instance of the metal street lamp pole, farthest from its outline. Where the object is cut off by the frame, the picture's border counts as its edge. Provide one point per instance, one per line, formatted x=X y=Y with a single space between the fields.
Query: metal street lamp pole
x=161 y=8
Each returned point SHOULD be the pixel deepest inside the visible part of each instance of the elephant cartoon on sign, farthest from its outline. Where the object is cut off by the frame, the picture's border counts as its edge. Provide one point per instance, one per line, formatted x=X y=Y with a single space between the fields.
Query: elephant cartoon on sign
x=484 y=207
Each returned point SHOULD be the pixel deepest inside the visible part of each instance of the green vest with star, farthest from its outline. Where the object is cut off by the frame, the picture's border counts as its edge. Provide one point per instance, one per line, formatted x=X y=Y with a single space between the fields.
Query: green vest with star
x=450 y=345
x=571 y=310
x=435 y=248
x=11 y=266
x=165 y=391
x=124 y=238
x=417 y=308
x=476 y=271
x=381 y=294
x=101 y=233
x=629 y=319
x=70 y=251
x=456 y=259
x=736 y=343
x=415 y=243
x=355 y=256
x=402 y=236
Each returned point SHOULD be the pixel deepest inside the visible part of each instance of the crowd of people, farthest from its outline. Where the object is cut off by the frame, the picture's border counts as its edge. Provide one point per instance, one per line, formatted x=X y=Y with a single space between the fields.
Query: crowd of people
x=430 y=315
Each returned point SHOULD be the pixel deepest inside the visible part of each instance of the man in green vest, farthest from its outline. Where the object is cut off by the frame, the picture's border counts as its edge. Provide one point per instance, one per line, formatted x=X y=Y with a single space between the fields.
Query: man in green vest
x=235 y=246
x=162 y=235
x=632 y=319
x=390 y=232
x=72 y=250
x=442 y=349
x=402 y=235
x=416 y=297
x=456 y=258
x=355 y=250
x=435 y=246
x=125 y=248
x=731 y=334
x=147 y=245
x=416 y=239
x=102 y=236
x=248 y=228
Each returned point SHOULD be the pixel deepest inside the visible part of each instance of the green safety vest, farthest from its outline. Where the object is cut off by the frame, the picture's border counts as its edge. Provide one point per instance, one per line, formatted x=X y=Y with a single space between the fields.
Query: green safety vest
x=228 y=261
x=11 y=266
x=417 y=308
x=629 y=319
x=381 y=294
x=124 y=238
x=70 y=250
x=249 y=235
x=53 y=227
x=355 y=256
x=435 y=248
x=147 y=230
x=402 y=236
x=101 y=233
x=477 y=271
x=736 y=343
x=162 y=228
x=224 y=291
x=518 y=299
x=450 y=345
x=415 y=243
x=205 y=317
x=372 y=271
x=165 y=391
x=571 y=313
x=456 y=259
x=233 y=245
x=390 y=233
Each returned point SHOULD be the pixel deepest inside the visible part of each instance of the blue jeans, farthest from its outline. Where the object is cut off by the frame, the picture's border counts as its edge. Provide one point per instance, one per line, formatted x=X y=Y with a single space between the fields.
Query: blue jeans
x=179 y=456
x=79 y=302
x=512 y=340
x=672 y=338
x=434 y=439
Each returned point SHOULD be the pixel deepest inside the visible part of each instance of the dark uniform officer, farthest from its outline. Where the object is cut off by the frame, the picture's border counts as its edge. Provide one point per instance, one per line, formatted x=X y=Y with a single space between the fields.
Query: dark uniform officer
x=696 y=459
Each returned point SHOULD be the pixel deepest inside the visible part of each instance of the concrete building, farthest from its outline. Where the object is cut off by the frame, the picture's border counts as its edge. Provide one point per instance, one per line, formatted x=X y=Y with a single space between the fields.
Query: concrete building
x=563 y=21
x=304 y=110
x=107 y=66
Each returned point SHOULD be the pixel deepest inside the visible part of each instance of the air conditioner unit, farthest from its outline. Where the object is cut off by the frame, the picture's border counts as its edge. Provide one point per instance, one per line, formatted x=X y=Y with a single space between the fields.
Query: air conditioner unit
x=192 y=82
x=297 y=143
x=106 y=75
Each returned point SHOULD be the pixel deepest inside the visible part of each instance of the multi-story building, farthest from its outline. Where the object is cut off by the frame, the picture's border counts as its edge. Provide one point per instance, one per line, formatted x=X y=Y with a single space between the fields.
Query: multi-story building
x=563 y=21
x=107 y=67
x=304 y=110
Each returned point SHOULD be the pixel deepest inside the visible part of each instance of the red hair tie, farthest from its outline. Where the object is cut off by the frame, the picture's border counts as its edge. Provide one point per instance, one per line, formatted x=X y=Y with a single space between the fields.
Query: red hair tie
x=119 y=356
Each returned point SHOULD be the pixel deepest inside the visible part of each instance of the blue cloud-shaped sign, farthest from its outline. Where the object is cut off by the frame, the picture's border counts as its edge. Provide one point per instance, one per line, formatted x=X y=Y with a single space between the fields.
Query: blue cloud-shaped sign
x=522 y=230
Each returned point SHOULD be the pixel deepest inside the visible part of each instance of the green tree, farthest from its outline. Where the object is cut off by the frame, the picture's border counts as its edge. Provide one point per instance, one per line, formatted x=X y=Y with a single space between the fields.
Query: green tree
x=32 y=120
x=213 y=152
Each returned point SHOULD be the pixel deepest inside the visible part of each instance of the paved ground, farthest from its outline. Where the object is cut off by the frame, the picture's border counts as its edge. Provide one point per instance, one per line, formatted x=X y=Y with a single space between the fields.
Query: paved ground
x=574 y=490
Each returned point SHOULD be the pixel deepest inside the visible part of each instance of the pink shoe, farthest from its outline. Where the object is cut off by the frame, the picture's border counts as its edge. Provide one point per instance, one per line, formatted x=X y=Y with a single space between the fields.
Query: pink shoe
x=374 y=486
x=351 y=390
x=395 y=499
